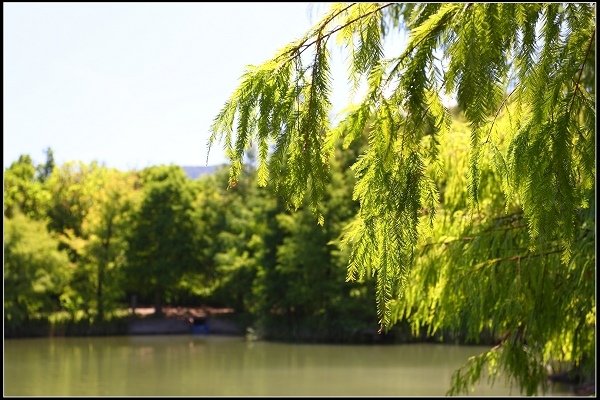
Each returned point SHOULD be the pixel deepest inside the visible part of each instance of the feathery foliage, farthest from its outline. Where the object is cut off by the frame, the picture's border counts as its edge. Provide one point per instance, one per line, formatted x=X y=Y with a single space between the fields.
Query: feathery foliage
x=520 y=261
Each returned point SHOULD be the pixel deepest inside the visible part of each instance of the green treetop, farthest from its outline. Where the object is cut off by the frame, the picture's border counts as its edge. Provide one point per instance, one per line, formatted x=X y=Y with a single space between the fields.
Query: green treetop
x=162 y=245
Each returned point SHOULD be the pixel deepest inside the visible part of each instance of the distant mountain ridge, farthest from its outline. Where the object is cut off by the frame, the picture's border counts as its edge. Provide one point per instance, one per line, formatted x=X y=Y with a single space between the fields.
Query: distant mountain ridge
x=194 y=172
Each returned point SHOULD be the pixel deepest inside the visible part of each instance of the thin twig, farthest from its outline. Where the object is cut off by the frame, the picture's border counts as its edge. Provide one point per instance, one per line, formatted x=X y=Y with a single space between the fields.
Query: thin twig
x=471 y=238
x=497 y=113
x=517 y=258
x=305 y=45
x=347 y=24
x=587 y=53
x=321 y=27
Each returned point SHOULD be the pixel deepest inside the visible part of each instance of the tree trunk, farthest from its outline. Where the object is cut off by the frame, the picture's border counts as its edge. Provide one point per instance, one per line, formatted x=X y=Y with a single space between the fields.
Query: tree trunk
x=101 y=268
x=99 y=292
x=158 y=304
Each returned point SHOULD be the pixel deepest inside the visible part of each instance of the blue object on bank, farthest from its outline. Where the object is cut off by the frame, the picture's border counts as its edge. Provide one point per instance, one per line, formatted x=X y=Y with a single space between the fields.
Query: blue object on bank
x=200 y=329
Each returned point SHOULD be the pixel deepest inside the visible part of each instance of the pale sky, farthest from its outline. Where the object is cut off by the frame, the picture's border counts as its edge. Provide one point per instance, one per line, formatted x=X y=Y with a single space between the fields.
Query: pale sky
x=132 y=84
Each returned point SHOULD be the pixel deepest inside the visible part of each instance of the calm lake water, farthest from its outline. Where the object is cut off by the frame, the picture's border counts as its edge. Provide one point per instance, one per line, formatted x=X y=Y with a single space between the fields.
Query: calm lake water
x=228 y=366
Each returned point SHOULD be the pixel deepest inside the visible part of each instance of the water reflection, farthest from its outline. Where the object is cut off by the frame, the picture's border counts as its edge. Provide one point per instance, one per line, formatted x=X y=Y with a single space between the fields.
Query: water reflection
x=228 y=366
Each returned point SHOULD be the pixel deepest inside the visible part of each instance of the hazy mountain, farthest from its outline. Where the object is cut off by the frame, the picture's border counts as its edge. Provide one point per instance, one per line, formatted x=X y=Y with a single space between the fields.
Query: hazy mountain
x=194 y=172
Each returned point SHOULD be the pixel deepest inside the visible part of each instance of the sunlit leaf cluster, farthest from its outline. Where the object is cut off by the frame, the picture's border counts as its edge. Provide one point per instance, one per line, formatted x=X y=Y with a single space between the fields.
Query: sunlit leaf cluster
x=511 y=253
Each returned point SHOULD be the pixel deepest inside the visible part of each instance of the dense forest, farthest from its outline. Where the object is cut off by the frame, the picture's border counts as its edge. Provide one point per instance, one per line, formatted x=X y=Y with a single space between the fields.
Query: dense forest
x=82 y=239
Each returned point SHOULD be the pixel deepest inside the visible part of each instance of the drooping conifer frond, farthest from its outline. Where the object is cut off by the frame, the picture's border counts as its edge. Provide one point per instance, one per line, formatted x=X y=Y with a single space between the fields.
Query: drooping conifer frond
x=523 y=77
